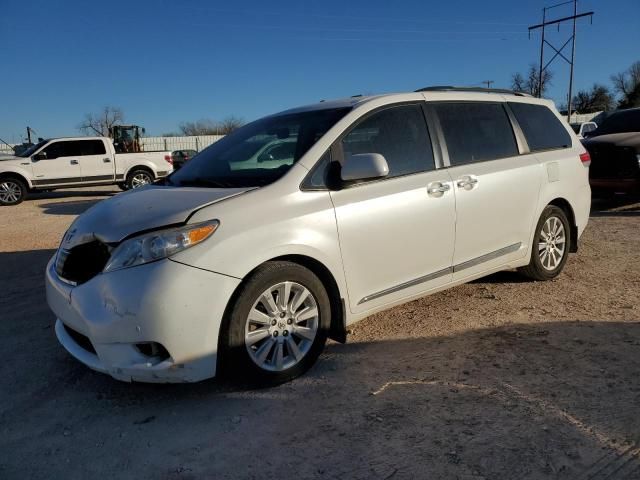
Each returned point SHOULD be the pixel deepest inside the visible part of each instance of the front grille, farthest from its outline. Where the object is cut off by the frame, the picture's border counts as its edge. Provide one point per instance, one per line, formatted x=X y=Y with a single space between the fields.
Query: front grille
x=80 y=339
x=610 y=161
x=82 y=262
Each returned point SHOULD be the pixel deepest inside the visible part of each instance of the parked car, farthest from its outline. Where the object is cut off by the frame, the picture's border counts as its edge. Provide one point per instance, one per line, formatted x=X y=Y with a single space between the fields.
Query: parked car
x=385 y=199
x=584 y=129
x=615 y=153
x=77 y=162
x=180 y=157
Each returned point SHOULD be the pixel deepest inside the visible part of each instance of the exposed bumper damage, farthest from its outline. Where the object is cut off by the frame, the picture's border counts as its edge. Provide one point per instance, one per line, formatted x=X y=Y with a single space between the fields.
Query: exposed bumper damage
x=157 y=322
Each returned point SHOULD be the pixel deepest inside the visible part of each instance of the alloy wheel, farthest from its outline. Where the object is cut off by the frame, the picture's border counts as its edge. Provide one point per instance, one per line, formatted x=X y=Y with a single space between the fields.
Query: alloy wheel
x=281 y=326
x=10 y=192
x=140 y=179
x=551 y=243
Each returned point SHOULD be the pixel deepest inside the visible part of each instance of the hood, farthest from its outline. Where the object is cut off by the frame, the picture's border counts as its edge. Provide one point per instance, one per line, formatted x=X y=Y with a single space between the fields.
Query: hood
x=628 y=139
x=4 y=157
x=143 y=209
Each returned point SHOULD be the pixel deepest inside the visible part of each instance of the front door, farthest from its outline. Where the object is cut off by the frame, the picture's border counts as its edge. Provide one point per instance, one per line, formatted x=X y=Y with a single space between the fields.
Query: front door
x=397 y=233
x=60 y=165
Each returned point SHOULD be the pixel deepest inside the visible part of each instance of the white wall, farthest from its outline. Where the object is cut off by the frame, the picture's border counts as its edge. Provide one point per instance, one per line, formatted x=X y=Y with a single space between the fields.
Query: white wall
x=198 y=143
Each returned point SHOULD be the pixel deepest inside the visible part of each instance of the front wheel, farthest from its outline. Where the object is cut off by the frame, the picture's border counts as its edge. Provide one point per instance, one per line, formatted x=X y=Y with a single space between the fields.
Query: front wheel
x=550 y=247
x=12 y=191
x=277 y=326
x=138 y=178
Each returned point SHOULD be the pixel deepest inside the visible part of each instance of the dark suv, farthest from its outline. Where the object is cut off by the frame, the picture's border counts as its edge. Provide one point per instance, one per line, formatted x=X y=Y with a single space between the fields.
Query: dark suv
x=615 y=153
x=179 y=157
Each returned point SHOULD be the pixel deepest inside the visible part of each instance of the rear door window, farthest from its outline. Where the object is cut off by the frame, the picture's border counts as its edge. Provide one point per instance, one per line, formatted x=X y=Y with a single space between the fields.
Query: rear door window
x=476 y=131
x=399 y=134
x=542 y=129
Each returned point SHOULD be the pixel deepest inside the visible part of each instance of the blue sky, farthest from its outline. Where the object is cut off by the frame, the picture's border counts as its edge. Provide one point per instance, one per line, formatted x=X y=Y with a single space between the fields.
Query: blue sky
x=166 y=62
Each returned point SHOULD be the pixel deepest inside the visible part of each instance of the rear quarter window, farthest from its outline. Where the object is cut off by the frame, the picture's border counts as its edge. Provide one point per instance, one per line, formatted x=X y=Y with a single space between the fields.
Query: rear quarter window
x=541 y=128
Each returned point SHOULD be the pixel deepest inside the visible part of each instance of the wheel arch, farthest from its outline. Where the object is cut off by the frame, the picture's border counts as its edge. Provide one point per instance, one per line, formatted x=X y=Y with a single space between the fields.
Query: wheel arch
x=18 y=176
x=337 y=329
x=140 y=166
x=565 y=206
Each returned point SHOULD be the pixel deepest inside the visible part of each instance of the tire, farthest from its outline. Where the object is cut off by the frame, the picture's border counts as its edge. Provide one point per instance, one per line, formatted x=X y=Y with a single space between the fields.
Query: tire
x=549 y=254
x=12 y=191
x=123 y=187
x=138 y=178
x=246 y=355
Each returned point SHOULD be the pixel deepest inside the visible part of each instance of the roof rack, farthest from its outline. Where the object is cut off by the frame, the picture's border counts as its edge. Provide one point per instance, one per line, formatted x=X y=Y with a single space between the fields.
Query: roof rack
x=448 y=88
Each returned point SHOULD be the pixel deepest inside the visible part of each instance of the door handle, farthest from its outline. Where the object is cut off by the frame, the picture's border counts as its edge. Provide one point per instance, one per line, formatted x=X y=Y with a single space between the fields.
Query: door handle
x=106 y=160
x=73 y=162
x=467 y=182
x=437 y=189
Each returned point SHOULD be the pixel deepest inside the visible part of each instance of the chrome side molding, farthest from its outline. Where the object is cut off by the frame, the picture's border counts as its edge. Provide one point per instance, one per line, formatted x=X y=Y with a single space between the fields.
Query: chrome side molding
x=445 y=271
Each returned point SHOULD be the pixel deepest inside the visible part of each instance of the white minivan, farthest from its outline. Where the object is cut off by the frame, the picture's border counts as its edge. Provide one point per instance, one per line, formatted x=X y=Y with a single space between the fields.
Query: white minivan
x=384 y=199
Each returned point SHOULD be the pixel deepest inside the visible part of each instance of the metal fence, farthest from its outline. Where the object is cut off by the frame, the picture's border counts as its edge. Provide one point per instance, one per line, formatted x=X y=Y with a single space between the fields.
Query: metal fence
x=150 y=144
x=581 y=118
x=196 y=143
x=6 y=149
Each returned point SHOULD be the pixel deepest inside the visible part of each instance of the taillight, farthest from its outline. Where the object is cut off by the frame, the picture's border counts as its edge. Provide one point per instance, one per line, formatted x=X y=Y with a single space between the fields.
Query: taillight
x=585 y=158
x=168 y=159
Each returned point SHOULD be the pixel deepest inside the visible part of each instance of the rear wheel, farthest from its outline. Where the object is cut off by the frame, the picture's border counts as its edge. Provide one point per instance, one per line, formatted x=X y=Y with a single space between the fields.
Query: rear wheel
x=138 y=178
x=550 y=247
x=277 y=326
x=12 y=191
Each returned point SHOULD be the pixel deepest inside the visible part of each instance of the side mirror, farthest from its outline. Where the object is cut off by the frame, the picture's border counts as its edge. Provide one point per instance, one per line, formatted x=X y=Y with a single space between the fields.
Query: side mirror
x=39 y=156
x=363 y=166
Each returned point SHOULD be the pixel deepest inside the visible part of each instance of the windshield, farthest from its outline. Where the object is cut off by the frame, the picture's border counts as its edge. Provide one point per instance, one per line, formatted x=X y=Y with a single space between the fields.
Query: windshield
x=258 y=153
x=575 y=127
x=29 y=151
x=620 y=122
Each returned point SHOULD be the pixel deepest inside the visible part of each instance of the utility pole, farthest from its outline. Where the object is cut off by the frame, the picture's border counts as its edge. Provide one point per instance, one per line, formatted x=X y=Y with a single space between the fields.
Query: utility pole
x=29 y=134
x=488 y=82
x=558 y=51
x=573 y=59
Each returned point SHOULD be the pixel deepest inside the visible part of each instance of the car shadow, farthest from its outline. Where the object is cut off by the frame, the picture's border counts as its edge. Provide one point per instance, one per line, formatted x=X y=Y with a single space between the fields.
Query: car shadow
x=616 y=206
x=544 y=400
x=505 y=276
x=72 y=193
x=73 y=207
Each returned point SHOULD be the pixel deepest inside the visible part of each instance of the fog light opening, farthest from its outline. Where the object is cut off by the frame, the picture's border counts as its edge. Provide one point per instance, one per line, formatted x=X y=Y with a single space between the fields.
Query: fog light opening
x=155 y=352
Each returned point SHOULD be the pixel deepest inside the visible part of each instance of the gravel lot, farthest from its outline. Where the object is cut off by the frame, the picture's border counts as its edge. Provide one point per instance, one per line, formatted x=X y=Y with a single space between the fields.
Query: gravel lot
x=500 y=378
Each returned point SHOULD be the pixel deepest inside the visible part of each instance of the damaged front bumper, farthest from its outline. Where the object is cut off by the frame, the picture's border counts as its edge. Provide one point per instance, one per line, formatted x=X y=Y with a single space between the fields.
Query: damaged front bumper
x=157 y=322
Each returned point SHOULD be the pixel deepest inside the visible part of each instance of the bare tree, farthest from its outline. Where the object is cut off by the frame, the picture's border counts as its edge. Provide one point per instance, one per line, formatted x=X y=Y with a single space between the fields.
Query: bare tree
x=627 y=84
x=200 y=127
x=100 y=123
x=210 y=127
x=598 y=99
x=531 y=84
x=229 y=124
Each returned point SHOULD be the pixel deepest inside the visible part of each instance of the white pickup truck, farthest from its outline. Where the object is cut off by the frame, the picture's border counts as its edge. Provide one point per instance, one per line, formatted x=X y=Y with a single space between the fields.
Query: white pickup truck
x=77 y=162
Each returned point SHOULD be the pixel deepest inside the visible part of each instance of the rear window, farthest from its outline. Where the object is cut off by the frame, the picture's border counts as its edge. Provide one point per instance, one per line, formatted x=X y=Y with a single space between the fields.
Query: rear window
x=620 y=122
x=475 y=132
x=542 y=129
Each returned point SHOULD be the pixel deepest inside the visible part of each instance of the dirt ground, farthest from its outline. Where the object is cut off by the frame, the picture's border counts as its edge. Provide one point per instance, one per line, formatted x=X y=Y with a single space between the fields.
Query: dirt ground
x=498 y=379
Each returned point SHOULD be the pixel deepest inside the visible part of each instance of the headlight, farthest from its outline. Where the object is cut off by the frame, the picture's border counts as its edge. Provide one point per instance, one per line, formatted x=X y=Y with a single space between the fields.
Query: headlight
x=159 y=244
